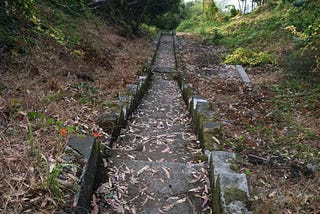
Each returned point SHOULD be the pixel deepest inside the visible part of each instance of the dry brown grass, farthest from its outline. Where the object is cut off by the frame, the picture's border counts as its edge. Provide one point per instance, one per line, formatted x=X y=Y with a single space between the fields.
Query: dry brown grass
x=51 y=88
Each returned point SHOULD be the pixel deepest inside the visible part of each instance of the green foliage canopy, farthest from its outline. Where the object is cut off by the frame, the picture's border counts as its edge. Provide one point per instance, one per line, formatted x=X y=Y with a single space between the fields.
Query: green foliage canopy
x=135 y=12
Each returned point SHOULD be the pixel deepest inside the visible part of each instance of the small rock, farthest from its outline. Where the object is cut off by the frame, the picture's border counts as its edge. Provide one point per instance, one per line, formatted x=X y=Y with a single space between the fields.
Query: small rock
x=312 y=168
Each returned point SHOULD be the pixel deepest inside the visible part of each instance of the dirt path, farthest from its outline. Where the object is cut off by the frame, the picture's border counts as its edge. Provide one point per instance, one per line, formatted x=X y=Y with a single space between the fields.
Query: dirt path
x=152 y=167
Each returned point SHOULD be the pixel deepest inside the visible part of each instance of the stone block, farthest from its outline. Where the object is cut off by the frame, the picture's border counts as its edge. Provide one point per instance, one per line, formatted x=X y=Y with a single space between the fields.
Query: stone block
x=89 y=152
x=187 y=93
x=107 y=121
x=202 y=106
x=210 y=131
x=132 y=89
x=121 y=123
x=199 y=116
x=124 y=98
x=242 y=74
x=195 y=100
x=229 y=188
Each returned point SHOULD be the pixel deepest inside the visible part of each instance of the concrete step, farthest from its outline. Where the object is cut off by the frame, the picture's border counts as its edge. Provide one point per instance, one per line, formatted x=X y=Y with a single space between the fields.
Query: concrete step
x=173 y=157
x=164 y=146
x=158 y=187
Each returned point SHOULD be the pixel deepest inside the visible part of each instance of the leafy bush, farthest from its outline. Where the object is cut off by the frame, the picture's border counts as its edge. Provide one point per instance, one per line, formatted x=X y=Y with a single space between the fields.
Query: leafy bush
x=168 y=21
x=304 y=26
x=150 y=30
x=247 y=57
x=185 y=25
x=16 y=17
x=213 y=36
x=20 y=9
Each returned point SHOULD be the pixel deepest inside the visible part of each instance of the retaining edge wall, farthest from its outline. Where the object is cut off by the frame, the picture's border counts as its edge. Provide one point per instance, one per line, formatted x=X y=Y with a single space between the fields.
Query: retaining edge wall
x=230 y=191
x=84 y=152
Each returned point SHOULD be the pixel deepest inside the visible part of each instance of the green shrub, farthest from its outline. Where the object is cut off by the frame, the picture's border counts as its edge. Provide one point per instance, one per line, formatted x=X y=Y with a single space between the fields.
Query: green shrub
x=20 y=9
x=213 y=36
x=186 y=25
x=168 y=21
x=247 y=57
x=150 y=30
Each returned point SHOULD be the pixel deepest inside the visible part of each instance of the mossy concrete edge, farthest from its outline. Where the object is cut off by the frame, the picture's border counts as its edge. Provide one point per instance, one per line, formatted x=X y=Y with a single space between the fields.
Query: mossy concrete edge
x=132 y=96
x=88 y=150
x=209 y=133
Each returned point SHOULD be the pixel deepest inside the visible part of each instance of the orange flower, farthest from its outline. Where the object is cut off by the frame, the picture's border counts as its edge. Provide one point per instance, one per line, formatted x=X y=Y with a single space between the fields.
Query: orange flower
x=96 y=134
x=63 y=131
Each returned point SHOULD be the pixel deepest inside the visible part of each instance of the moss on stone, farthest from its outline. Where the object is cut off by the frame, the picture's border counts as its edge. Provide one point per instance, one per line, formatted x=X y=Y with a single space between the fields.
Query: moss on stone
x=186 y=94
x=200 y=157
x=122 y=120
x=234 y=167
x=209 y=131
x=208 y=141
x=233 y=193
x=216 y=202
x=207 y=116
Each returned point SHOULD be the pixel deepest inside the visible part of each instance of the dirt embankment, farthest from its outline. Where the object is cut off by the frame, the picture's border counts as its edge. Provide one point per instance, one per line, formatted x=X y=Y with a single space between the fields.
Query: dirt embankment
x=50 y=94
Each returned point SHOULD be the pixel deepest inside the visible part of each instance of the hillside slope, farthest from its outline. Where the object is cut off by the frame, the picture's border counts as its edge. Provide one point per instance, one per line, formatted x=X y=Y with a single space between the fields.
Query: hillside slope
x=289 y=33
x=59 y=70
x=273 y=122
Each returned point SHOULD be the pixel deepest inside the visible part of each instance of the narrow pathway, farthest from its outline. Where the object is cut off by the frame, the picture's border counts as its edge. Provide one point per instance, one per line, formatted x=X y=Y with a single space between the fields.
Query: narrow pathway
x=153 y=166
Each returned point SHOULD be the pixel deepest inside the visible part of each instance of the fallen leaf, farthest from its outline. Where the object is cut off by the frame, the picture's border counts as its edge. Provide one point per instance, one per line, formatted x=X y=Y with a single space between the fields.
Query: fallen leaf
x=131 y=157
x=272 y=194
x=167 y=172
x=180 y=201
x=197 y=189
x=145 y=201
x=168 y=207
x=143 y=169
x=205 y=202
x=167 y=150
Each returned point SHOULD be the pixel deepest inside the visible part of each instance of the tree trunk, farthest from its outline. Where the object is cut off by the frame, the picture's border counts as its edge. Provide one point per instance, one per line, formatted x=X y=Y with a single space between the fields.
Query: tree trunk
x=252 y=3
x=239 y=1
x=245 y=7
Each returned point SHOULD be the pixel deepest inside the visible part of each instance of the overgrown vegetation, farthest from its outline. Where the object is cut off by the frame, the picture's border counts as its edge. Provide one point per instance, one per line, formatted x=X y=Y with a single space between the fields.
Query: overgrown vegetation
x=247 y=57
x=275 y=118
x=288 y=32
x=134 y=14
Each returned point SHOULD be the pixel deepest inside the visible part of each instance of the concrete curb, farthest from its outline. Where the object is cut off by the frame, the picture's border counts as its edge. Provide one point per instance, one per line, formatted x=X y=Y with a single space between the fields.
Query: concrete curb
x=229 y=189
x=242 y=74
x=84 y=152
x=131 y=98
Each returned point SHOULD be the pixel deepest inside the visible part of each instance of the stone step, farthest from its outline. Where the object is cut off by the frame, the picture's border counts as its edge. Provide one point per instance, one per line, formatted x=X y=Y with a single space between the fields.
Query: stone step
x=153 y=166
x=173 y=157
x=164 y=146
x=158 y=187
